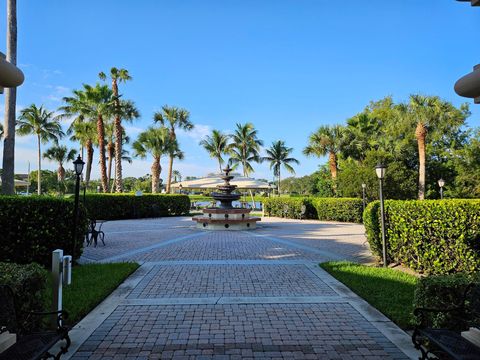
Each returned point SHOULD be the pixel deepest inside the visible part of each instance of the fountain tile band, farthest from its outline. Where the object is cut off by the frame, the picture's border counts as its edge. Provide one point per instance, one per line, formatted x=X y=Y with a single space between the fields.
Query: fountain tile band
x=226 y=217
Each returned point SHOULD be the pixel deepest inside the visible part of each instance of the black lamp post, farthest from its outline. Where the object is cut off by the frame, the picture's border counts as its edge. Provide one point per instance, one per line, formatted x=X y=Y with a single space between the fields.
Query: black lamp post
x=380 y=170
x=364 y=186
x=441 y=183
x=180 y=187
x=78 y=167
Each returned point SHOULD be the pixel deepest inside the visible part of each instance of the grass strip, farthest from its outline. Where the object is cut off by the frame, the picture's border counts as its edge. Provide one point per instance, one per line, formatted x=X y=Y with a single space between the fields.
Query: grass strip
x=388 y=290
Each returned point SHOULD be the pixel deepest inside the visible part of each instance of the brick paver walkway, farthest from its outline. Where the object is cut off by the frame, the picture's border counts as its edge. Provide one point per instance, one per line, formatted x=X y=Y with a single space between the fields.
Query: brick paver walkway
x=234 y=295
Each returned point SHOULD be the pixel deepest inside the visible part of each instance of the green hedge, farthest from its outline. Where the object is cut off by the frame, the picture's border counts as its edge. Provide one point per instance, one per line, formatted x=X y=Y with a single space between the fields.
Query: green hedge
x=28 y=283
x=333 y=209
x=339 y=209
x=32 y=227
x=444 y=292
x=288 y=207
x=126 y=206
x=430 y=236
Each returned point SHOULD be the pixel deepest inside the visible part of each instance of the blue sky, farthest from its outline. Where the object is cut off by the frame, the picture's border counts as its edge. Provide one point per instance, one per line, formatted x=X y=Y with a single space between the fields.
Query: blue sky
x=286 y=66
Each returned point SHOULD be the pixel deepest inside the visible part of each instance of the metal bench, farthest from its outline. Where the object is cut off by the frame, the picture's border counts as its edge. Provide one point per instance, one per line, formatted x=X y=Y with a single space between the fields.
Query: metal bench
x=449 y=343
x=30 y=345
x=93 y=234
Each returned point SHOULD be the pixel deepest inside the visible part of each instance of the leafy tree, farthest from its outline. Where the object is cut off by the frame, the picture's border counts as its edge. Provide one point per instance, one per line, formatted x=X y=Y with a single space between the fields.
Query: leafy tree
x=216 y=145
x=467 y=166
x=173 y=118
x=157 y=142
x=279 y=155
x=85 y=134
x=44 y=125
x=245 y=147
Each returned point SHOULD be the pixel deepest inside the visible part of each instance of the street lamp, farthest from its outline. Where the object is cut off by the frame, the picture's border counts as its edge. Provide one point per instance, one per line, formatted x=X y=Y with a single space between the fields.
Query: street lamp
x=364 y=186
x=78 y=167
x=380 y=169
x=441 y=183
x=180 y=187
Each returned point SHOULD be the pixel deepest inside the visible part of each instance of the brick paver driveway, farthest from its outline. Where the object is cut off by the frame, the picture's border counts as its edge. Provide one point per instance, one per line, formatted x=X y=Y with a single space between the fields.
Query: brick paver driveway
x=234 y=295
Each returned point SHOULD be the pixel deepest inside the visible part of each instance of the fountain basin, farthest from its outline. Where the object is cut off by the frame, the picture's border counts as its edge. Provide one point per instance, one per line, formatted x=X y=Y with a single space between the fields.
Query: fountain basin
x=226 y=219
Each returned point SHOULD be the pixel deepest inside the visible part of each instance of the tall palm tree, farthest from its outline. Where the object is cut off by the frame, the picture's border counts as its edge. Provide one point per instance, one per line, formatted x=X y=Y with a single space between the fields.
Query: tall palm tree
x=326 y=140
x=177 y=175
x=60 y=154
x=8 y=173
x=154 y=141
x=117 y=76
x=245 y=147
x=93 y=102
x=216 y=145
x=279 y=154
x=44 y=125
x=85 y=134
x=173 y=118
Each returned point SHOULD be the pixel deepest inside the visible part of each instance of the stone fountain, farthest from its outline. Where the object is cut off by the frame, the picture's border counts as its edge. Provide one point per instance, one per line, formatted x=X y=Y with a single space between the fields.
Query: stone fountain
x=226 y=217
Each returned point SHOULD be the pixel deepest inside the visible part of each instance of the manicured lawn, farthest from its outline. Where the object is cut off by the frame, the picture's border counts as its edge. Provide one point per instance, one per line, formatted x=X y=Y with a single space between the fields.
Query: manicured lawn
x=91 y=283
x=388 y=290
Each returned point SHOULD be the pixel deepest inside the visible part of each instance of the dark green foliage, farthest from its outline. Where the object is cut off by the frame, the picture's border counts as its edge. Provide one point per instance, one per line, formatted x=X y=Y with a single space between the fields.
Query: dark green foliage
x=339 y=209
x=288 y=207
x=388 y=290
x=126 y=206
x=28 y=283
x=434 y=236
x=32 y=227
x=333 y=209
x=445 y=292
x=371 y=220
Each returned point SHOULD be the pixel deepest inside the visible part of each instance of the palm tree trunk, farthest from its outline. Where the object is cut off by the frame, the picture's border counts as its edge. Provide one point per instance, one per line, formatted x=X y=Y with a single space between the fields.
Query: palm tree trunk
x=8 y=173
x=60 y=173
x=89 y=146
x=117 y=128
x=156 y=168
x=110 y=151
x=220 y=165
x=101 y=148
x=278 y=182
x=39 y=173
x=421 y=134
x=332 y=163
x=170 y=167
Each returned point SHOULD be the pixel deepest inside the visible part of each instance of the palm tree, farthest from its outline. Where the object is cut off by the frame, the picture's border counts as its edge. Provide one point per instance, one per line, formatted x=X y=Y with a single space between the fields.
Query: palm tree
x=326 y=140
x=60 y=154
x=173 y=118
x=177 y=175
x=8 y=173
x=85 y=134
x=216 y=145
x=38 y=121
x=1 y=131
x=245 y=147
x=93 y=102
x=155 y=141
x=278 y=155
x=117 y=75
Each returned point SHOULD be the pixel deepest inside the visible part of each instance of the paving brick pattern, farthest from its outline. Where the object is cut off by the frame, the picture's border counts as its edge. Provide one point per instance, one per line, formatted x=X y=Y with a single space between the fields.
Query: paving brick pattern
x=192 y=281
x=278 y=331
x=228 y=245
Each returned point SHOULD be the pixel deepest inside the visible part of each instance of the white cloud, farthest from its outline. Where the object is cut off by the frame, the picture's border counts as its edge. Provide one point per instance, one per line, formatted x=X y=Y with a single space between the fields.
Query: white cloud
x=197 y=133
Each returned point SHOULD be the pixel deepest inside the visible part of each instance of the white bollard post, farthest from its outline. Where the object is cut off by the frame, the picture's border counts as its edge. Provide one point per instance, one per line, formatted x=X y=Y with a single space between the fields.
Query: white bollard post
x=67 y=270
x=57 y=273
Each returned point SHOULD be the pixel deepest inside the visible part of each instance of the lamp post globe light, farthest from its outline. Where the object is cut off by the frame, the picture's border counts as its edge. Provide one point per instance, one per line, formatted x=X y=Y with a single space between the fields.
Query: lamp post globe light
x=441 y=183
x=380 y=169
x=78 y=168
x=364 y=186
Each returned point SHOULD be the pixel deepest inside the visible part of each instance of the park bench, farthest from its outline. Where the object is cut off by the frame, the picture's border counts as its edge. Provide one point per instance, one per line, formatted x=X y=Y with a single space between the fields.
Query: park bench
x=30 y=345
x=449 y=343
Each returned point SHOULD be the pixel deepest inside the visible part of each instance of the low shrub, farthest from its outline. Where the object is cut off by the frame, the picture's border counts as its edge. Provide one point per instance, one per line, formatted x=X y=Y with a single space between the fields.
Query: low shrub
x=127 y=206
x=444 y=292
x=339 y=209
x=28 y=283
x=332 y=209
x=32 y=227
x=288 y=207
x=430 y=236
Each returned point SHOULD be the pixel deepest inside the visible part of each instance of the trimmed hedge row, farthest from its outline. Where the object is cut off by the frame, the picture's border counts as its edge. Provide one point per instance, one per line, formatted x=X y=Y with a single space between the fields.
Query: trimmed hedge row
x=442 y=292
x=32 y=227
x=333 y=209
x=127 y=206
x=28 y=283
x=429 y=236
